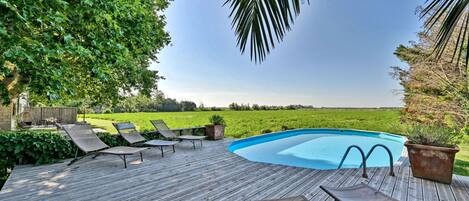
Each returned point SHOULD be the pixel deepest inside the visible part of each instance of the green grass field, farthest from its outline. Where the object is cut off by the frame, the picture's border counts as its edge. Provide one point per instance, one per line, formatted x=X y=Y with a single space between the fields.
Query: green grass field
x=241 y=124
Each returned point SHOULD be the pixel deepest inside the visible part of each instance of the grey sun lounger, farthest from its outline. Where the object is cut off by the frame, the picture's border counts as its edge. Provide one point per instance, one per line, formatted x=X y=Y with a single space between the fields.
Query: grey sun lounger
x=128 y=131
x=167 y=133
x=360 y=192
x=86 y=140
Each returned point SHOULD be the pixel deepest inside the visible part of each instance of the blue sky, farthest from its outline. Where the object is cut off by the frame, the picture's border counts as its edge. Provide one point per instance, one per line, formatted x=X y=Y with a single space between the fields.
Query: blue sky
x=337 y=55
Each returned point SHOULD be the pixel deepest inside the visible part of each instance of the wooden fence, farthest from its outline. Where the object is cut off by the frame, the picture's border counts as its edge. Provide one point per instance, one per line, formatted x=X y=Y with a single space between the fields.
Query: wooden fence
x=40 y=115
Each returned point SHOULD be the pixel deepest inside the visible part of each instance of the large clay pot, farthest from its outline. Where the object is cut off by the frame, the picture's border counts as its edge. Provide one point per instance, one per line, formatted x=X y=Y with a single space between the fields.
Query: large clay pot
x=215 y=132
x=431 y=162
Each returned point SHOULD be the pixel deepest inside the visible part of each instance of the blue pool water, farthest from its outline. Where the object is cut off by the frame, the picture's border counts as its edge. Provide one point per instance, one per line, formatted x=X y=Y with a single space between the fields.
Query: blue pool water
x=318 y=148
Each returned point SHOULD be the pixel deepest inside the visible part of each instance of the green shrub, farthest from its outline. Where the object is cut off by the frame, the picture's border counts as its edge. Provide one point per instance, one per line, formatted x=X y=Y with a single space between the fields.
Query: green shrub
x=40 y=147
x=434 y=135
x=217 y=120
x=26 y=147
x=112 y=140
x=266 y=131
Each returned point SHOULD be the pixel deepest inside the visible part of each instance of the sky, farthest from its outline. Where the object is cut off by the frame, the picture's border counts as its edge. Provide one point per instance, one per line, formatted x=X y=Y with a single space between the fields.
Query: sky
x=338 y=54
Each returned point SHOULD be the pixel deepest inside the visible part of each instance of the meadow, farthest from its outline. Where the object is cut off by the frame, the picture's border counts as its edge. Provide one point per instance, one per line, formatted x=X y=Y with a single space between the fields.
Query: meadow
x=242 y=124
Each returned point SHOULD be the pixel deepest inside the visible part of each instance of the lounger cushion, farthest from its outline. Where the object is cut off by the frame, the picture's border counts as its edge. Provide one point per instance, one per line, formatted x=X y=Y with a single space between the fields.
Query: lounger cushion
x=82 y=135
x=167 y=133
x=125 y=126
x=133 y=137
x=121 y=150
x=128 y=131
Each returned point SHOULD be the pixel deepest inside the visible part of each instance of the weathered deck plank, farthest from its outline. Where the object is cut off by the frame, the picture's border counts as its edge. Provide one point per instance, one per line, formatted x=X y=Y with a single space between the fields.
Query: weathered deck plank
x=259 y=187
x=293 y=185
x=254 y=187
x=415 y=191
x=177 y=180
x=329 y=181
x=459 y=191
x=211 y=182
x=210 y=173
x=378 y=178
x=302 y=190
x=429 y=191
x=222 y=189
x=90 y=184
x=444 y=192
x=401 y=186
x=464 y=181
x=274 y=184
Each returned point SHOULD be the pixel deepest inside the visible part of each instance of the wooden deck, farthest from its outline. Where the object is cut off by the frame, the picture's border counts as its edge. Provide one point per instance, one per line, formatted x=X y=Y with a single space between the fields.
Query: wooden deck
x=210 y=173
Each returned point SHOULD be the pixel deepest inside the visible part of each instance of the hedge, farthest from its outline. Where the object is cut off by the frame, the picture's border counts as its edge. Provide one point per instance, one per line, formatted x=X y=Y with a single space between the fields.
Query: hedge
x=42 y=147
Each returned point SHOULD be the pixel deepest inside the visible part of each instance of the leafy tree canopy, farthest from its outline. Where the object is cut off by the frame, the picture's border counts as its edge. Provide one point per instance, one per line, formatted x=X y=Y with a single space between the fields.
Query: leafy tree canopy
x=90 y=49
x=435 y=90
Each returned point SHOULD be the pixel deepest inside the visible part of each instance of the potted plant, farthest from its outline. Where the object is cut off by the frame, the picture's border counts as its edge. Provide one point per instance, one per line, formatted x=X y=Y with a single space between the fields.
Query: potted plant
x=216 y=129
x=431 y=152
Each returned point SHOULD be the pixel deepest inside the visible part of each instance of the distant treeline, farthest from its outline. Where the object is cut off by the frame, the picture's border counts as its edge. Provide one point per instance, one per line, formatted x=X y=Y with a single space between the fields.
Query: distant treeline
x=159 y=103
x=140 y=103
x=240 y=107
x=203 y=108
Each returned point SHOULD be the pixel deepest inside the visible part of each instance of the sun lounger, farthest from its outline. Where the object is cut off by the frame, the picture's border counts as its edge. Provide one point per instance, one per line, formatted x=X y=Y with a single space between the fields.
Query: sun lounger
x=86 y=140
x=128 y=131
x=164 y=130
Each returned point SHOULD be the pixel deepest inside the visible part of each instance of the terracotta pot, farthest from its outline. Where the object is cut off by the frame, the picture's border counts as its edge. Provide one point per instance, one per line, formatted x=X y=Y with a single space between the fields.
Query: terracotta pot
x=215 y=132
x=431 y=162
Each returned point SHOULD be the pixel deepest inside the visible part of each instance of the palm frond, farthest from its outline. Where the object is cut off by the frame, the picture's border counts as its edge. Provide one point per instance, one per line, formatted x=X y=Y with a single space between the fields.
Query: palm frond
x=446 y=16
x=262 y=23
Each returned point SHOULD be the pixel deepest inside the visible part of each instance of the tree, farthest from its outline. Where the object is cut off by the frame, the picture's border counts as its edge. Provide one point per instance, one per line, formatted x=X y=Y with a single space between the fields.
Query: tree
x=448 y=22
x=201 y=107
x=92 y=49
x=188 y=106
x=170 y=105
x=434 y=90
x=255 y=107
x=234 y=106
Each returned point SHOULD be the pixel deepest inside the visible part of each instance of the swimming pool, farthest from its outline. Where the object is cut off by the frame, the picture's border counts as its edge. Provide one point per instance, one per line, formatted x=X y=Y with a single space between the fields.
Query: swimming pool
x=319 y=148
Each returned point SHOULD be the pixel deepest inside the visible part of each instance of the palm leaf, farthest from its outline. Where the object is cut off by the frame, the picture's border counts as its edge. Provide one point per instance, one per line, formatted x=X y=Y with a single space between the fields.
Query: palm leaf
x=261 y=23
x=446 y=16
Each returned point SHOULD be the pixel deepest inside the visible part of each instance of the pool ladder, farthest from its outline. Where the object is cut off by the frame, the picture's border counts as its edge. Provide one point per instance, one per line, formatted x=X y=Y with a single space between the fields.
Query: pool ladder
x=364 y=158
